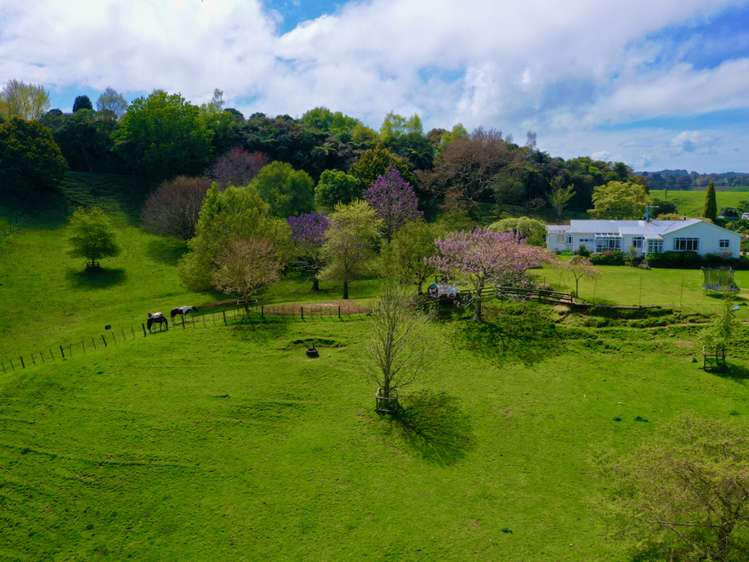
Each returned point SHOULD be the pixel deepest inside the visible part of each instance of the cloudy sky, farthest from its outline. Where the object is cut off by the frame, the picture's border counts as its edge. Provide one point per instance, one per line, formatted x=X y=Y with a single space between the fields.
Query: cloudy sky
x=655 y=83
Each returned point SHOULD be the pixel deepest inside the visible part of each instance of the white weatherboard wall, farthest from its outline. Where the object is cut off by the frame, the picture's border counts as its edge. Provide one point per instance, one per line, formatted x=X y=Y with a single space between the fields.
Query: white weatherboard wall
x=709 y=236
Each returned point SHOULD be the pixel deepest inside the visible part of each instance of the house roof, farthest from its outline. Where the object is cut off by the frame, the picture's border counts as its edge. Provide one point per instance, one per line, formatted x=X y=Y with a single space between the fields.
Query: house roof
x=654 y=229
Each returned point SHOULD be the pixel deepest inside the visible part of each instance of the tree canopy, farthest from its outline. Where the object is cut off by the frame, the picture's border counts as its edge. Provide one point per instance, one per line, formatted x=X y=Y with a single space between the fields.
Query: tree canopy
x=92 y=236
x=286 y=190
x=619 y=200
x=29 y=158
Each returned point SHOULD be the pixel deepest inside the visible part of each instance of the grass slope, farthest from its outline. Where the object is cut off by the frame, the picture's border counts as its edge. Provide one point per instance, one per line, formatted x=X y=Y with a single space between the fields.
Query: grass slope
x=228 y=443
x=692 y=203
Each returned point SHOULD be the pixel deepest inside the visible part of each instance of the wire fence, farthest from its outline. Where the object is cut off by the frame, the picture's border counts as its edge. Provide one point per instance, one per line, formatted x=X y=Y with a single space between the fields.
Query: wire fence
x=116 y=336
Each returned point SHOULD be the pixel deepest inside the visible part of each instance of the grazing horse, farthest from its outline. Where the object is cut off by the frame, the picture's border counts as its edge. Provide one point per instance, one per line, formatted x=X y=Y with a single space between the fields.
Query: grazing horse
x=182 y=311
x=157 y=318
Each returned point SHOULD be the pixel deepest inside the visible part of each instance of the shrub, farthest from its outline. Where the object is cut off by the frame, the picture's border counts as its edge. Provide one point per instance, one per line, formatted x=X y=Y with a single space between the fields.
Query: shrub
x=583 y=251
x=609 y=257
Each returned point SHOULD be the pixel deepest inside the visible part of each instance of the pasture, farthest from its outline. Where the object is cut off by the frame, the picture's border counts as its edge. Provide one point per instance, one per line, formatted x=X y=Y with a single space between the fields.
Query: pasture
x=228 y=443
x=692 y=202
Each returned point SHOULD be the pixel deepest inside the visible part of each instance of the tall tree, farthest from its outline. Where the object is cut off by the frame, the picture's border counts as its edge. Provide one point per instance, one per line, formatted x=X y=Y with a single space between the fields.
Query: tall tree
x=25 y=101
x=560 y=196
x=232 y=214
x=92 y=236
x=85 y=138
x=350 y=242
x=162 y=136
x=530 y=230
x=174 y=208
x=82 y=102
x=407 y=256
x=375 y=162
x=711 y=205
x=29 y=157
x=394 y=200
x=111 y=100
x=308 y=235
x=287 y=191
x=619 y=200
x=399 y=348
x=483 y=256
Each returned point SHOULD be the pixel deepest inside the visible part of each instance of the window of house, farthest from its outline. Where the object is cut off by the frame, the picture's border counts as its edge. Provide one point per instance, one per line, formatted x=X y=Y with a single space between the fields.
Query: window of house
x=655 y=246
x=686 y=244
x=569 y=240
x=637 y=242
x=606 y=244
x=725 y=243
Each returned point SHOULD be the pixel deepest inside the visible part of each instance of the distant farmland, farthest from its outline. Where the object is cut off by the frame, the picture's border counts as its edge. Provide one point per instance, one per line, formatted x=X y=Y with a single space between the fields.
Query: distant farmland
x=691 y=202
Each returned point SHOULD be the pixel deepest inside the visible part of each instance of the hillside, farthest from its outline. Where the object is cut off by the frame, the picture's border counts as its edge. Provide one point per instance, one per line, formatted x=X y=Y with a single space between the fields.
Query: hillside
x=691 y=203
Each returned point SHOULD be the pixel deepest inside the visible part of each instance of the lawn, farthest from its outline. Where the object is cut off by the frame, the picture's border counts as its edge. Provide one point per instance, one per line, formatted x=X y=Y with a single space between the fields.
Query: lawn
x=228 y=443
x=691 y=203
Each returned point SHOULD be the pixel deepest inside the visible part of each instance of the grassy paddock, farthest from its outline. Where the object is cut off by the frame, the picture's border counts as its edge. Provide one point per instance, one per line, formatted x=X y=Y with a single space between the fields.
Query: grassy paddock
x=229 y=443
x=691 y=203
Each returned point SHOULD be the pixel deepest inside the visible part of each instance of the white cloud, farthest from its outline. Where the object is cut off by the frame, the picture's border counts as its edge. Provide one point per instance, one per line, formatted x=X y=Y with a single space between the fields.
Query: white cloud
x=558 y=68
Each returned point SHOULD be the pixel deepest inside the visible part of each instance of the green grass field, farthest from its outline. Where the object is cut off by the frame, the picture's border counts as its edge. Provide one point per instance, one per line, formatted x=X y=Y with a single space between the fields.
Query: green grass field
x=691 y=203
x=228 y=443
x=225 y=442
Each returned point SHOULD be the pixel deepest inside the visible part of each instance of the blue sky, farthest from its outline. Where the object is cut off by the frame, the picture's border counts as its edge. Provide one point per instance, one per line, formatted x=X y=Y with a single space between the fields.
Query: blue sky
x=658 y=84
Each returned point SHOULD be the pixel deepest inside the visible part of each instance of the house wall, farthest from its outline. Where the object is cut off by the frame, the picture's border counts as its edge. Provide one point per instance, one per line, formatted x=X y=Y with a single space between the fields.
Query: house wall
x=709 y=237
x=556 y=241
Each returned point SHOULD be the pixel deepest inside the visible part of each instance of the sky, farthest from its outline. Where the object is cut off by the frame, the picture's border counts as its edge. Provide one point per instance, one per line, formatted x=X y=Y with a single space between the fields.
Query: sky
x=657 y=84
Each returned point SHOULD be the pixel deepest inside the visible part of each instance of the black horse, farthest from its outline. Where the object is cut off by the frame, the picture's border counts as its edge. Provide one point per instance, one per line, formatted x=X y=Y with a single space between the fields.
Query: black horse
x=182 y=311
x=157 y=318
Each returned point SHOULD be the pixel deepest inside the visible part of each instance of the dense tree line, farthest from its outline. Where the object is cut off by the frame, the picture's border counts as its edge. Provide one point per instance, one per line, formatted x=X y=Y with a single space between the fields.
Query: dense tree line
x=331 y=157
x=682 y=179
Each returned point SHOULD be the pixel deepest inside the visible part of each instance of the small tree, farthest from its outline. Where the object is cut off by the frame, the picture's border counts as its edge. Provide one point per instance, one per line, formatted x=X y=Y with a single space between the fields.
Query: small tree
x=246 y=267
x=717 y=337
x=350 y=242
x=685 y=494
x=92 y=237
x=398 y=347
x=559 y=197
x=711 y=205
x=174 y=208
x=619 y=200
x=308 y=236
x=482 y=256
x=580 y=267
x=394 y=200
x=407 y=255
x=237 y=167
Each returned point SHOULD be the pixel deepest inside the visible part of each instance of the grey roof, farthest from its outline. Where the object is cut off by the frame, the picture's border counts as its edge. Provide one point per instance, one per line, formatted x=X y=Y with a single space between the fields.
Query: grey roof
x=649 y=229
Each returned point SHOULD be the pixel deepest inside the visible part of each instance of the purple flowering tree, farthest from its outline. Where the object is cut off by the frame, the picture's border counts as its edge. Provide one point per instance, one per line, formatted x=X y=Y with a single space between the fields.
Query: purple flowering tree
x=394 y=200
x=483 y=256
x=308 y=236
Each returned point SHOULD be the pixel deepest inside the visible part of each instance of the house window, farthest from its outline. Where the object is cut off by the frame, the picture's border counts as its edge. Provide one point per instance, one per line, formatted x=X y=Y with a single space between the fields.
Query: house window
x=569 y=240
x=637 y=242
x=725 y=243
x=655 y=246
x=607 y=244
x=686 y=244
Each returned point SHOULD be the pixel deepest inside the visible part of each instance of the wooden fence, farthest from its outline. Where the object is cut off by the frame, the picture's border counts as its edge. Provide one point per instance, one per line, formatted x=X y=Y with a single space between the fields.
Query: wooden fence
x=116 y=336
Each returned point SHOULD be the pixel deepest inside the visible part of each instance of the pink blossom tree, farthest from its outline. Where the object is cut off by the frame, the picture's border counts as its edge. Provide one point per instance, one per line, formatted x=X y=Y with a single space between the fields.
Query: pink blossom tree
x=308 y=235
x=394 y=199
x=483 y=256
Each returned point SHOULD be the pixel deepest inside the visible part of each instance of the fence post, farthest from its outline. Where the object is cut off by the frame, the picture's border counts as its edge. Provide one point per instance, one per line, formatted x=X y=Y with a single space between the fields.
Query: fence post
x=262 y=311
x=83 y=345
x=142 y=325
x=12 y=366
x=104 y=340
x=339 y=312
x=41 y=354
x=23 y=365
x=33 y=361
x=93 y=341
x=62 y=351
x=301 y=311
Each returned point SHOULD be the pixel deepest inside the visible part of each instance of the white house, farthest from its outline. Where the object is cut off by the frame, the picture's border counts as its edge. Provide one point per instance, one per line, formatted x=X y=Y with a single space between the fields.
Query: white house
x=646 y=236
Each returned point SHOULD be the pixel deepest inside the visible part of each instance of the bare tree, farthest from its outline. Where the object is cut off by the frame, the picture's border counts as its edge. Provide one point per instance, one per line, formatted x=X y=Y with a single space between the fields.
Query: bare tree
x=399 y=349
x=237 y=167
x=173 y=209
x=246 y=267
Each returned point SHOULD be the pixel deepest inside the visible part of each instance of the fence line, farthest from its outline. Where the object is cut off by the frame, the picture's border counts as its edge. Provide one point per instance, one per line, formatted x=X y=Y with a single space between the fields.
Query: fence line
x=117 y=336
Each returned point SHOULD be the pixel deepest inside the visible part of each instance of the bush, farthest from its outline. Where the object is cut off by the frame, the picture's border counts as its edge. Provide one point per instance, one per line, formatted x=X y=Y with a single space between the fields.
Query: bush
x=583 y=251
x=692 y=260
x=609 y=257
